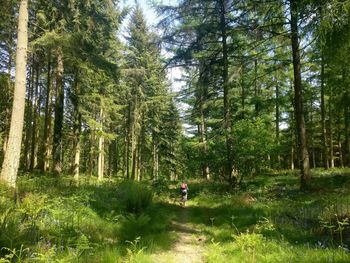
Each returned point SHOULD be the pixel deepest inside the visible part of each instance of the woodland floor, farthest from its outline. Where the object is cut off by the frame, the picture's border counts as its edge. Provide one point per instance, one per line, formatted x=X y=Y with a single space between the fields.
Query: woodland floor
x=268 y=219
x=188 y=248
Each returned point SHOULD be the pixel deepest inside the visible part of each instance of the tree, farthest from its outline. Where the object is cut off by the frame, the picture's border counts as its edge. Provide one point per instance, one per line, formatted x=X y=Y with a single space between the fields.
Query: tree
x=12 y=155
x=298 y=98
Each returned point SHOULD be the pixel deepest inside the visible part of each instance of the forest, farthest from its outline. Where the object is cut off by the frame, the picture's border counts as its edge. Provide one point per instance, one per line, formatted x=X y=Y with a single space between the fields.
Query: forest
x=98 y=135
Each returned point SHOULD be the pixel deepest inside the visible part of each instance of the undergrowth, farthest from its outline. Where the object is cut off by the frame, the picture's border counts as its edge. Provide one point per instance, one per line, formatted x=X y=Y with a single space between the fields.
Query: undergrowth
x=268 y=219
x=52 y=220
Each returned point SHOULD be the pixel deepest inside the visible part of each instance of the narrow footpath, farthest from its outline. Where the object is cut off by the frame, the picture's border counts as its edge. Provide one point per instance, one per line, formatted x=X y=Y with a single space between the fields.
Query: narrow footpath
x=188 y=248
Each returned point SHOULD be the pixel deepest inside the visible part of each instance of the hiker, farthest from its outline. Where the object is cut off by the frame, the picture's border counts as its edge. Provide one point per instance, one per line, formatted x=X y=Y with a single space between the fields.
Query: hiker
x=184 y=190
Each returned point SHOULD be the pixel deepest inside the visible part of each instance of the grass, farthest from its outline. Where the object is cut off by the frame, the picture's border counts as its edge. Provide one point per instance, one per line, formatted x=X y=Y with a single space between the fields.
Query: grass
x=267 y=220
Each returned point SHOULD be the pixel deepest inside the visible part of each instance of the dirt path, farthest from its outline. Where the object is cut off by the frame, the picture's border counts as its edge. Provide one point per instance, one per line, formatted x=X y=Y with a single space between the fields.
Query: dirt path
x=188 y=248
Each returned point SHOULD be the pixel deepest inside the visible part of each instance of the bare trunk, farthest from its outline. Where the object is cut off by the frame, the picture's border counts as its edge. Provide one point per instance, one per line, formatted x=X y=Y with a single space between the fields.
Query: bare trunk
x=13 y=151
x=35 y=128
x=126 y=151
x=323 y=118
x=8 y=94
x=331 y=145
x=29 y=118
x=134 y=138
x=154 y=157
x=91 y=152
x=256 y=89
x=202 y=131
x=76 y=129
x=101 y=154
x=46 y=150
x=277 y=117
x=142 y=154
x=227 y=107
x=298 y=99
x=347 y=125
x=59 y=110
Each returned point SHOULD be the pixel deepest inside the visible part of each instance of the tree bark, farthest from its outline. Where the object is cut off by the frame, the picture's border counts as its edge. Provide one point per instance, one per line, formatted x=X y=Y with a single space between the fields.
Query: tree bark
x=203 y=140
x=323 y=118
x=35 y=128
x=277 y=118
x=202 y=89
x=155 y=169
x=135 y=135
x=227 y=107
x=101 y=154
x=13 y=151
x=330 y=131
x=298 y=99
x=126 y=147
x=46 y=152
x=28 y=112
x=8 y=94
x=76 y=129
x=59 y=110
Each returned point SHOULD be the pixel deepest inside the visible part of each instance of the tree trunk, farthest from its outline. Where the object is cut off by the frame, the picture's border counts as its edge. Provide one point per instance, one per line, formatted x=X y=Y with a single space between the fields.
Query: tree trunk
x=142 y=154
x=91 y=152
x=203 y=140
x=59 y=110
x=35 y=128
x=101 y=154
x=76 y=129
x=298 y=99
x=13 y=151
x=347 y=126
x=134 y=137
x=331 y=144
x=46 y=151
x=346 y=101
x=340 y=148
x=29 y=117
x=277 y=117
x=256 y=90
x=110 y=158
x=126 y=150
x=227 y=107
x=323 y=118
x=155 y=174
x=8 y=94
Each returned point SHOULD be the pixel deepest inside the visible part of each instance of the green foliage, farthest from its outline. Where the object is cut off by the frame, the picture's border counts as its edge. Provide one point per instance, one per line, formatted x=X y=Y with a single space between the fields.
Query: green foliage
x=13 y=255
x=160 y=186
x=253 y=143
x=134 y=226
x=135 y=252
x=135 y=197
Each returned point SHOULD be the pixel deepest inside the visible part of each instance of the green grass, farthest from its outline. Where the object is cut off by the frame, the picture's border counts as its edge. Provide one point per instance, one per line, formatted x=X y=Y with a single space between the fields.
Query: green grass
x=267 y=220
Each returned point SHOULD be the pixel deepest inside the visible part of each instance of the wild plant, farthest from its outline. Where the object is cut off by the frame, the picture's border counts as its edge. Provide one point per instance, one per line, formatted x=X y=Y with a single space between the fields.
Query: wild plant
x=134 y=225
x=342 y=224
x=334 y=224
x=135 y=250
x=135 y=197
x=14 y=254
x=265 y=226
x=233 y=224
x=248 y=243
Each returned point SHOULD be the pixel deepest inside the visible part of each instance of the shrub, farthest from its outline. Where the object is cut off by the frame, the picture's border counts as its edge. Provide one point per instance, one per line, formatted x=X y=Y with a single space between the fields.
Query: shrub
x=135 y=197
x=134 y=226
x=160 y=186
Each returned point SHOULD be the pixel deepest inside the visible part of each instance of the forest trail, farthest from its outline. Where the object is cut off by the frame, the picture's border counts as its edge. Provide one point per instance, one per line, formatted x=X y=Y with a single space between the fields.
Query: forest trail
x=188 y=248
